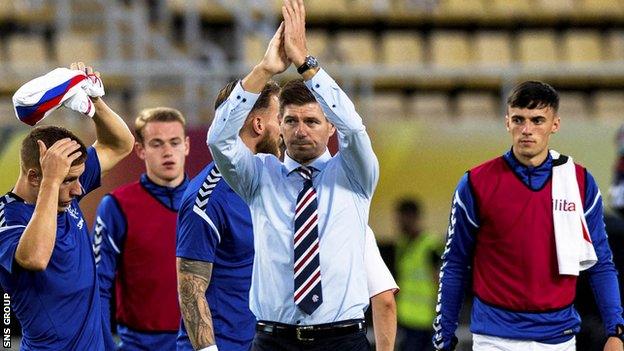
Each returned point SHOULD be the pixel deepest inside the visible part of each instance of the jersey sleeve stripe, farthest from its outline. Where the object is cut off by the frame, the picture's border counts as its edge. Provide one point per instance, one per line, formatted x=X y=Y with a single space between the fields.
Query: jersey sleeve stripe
x=200 y=212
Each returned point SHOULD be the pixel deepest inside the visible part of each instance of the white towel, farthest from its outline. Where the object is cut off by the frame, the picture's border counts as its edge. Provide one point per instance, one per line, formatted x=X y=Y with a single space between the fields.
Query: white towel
x=575 y=251
x=38 y=98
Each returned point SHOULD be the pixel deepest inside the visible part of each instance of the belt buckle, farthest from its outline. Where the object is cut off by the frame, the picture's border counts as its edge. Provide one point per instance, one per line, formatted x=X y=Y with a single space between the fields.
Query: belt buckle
x=305 y=327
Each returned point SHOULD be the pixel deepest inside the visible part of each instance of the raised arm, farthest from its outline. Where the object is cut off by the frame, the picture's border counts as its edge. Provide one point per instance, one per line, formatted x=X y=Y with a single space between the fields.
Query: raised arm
x=37 y=242
x=114 y=139
x=232 y=157
x=356 y=150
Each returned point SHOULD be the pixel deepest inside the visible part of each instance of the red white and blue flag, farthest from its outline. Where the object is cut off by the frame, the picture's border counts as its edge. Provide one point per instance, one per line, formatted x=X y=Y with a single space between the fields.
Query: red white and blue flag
x=39 y=97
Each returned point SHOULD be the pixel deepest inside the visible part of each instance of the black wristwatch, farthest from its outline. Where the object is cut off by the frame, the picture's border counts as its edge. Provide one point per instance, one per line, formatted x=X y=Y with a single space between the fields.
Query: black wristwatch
x=309 y=63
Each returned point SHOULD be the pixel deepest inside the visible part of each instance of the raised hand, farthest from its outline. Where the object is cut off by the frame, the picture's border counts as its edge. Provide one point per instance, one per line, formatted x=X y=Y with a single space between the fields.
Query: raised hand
x=56 y=160
x=294 y=31
x=275 y=60
x=94 y=87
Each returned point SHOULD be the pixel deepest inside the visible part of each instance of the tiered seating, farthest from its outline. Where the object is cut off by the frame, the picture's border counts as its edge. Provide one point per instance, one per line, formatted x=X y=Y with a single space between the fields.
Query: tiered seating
x=386 y=106
x=582 y=46
x=476 y=105
x=537 y=47
x=492 y=49
x=71 y=47
x=450 y=49
x=356 y=47
x=429 y=106
x=402 y=48
x=609 y=104
x=573 y=106
x=27 y=51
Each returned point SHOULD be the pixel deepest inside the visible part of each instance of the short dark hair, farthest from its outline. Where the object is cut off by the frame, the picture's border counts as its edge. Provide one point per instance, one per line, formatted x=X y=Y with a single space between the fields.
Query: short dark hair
x=295 y=92
x=224 y=93
x=533 y=95
x=409 y=206
x=156 y=114
x=270 y=88
x=29 y=152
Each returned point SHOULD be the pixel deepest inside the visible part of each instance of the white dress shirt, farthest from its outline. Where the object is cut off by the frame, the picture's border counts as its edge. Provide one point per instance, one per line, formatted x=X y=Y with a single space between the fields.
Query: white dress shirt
x=379 y=278
x=344 y=184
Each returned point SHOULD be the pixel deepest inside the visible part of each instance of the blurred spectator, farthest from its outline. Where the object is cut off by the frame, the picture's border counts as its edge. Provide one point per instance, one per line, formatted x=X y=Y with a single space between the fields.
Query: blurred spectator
x=417 y=262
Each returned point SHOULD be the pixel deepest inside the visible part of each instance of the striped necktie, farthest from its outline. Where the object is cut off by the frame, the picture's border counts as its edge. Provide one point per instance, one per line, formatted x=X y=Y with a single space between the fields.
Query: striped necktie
x=307 y=268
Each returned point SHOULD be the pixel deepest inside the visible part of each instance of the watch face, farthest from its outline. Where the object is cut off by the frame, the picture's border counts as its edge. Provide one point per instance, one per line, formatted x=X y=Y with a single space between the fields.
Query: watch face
x=311 y=61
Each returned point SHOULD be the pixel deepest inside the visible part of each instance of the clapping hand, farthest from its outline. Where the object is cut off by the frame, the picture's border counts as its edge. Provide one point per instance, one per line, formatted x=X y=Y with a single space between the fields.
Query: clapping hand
x=294 y=31
x=275 y=60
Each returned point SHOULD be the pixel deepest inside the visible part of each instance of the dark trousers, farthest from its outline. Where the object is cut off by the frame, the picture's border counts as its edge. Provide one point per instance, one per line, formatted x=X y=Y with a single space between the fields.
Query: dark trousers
x=351 y=342
x=416 y=340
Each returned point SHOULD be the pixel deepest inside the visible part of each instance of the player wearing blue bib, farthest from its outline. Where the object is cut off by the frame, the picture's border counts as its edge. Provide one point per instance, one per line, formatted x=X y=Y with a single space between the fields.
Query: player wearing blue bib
x=46 y=262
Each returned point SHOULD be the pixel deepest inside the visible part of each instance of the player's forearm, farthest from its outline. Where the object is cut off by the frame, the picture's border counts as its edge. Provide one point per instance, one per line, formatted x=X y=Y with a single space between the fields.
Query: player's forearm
x=193 y=279
x=384 y=320
x=111 y=131
x=37 y=242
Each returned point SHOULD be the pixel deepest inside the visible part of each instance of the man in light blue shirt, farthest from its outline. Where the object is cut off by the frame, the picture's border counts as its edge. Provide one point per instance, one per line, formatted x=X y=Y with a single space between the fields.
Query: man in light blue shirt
x=310 y=212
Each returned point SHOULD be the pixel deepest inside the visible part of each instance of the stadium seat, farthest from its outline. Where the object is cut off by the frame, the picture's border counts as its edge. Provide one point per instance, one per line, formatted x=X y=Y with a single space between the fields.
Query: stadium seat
x=255 y=47
x=582 y=46
x=207 y=8
x=615 y=45
x=429 y=106
x=537 y=47
x=386 y=106
x=326 y=8
x=492 y=48
x=155 y=98
x=450 y=49
x=609 y=105
x=27 y=50
x=573 y=105
x=360 y=7
x=356 y=47
x=557 y=7
x=72 y=47
x=402 y=8
x=477 y=105
x=7 y=11
x=510 y=8
x=402 y=48
x=602 y=7
x=317 y=43
x=460 y=7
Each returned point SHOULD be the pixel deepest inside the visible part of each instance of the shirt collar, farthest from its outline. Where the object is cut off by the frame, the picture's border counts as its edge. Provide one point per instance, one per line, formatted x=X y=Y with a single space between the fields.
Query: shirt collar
x=534 y=177
x=163 y=190
x=319 y=163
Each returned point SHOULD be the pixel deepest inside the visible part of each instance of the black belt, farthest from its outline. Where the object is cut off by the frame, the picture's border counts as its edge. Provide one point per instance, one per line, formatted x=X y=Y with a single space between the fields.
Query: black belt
x=311 y=332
